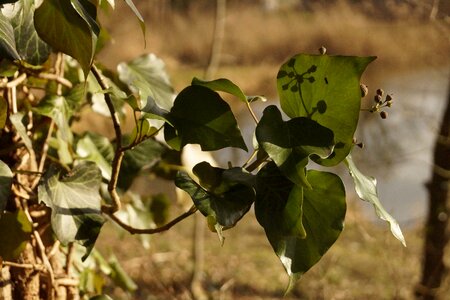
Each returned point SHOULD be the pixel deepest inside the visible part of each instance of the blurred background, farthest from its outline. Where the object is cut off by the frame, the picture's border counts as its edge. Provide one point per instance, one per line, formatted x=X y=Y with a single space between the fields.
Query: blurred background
x=411 y=39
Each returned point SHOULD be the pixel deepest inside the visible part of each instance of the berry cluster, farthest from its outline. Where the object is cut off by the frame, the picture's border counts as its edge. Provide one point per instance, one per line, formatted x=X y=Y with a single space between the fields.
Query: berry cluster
x=379 y=102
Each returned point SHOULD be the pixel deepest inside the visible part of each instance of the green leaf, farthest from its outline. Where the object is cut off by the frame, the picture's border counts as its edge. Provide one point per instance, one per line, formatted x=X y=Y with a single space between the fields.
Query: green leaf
x=75 y=202
x=30 y=46
x=120 y=277
x=3 y=112
x=290 y=143
x=366 y=188
x=6 y=179
x=223 y=207
x=7 y=42
x=16 y=120
x=278 y=206
x=325 y=89
x=147 y=76
x=96 y=148
x=15 y=230
x=201 y=116
x=223 y=85
x=60 y=25
x=323 y=218
x=145 y=155
x=88 y=11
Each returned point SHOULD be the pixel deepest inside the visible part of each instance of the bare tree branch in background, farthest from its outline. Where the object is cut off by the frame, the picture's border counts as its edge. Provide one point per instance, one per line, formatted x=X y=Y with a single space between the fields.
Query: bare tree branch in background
x=436 y=227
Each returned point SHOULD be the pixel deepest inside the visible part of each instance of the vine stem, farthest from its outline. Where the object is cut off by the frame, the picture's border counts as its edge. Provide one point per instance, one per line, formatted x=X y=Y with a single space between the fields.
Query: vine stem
x=163 y=228
x=118 y=154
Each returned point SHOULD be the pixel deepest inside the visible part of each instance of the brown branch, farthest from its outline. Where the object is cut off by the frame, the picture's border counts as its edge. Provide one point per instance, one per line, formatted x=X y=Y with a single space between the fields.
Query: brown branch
x=24 y=266
x=118 y=155
x=163 y=228
x=58 y=79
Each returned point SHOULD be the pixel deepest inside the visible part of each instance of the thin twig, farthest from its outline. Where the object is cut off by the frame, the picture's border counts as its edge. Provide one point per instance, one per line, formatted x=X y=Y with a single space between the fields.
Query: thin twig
x=118 y=155
x=36 y=267
x=58 y=79
x=15 y=82
x=163 y=228
x=252 y=113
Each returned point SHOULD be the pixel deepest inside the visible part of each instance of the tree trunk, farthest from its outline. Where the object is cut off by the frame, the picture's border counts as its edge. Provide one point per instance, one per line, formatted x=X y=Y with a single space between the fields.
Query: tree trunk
x=26 y=281
x=436 y=234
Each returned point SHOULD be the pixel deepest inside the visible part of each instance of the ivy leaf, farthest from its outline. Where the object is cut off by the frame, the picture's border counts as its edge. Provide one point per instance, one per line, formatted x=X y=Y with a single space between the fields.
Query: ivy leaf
x=96 y=148
x=75 y=202
x=3 y=112
x=6 y=179
x=325 y=89
x=88 y=11
x=289 y=144
x=201 y=116
x=366 y=188
x=145 y=155
x=323 y=218
x=7 y=42
x=16 y=120
x=15 y=231
x=223 y=85
x=278 y=206
x=222 y=208
x=30 y=46
x=60 y=25
x=147 y=76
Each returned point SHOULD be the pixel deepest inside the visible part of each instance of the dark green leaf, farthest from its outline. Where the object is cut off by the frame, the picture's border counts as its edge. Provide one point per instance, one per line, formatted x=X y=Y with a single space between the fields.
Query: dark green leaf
x=7 y=42
x=15 y=230
x=59 y=25
x=147 y=76
x=325 y=89
x=3 y=112
x=88 y=11
x=146 y=154
x=290 y=143
x=366 y=188
x=278 y=206
x=6 y=179
x=201 y=116
x=224 y=207
x=29 y=45
x=223 y=85
x=16 y=120
x=323 y=218
x=75 y=202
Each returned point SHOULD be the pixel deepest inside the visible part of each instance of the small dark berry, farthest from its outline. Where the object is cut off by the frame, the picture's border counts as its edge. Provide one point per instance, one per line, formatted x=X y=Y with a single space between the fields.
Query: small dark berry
x=364 y=90
x=383 y=115
x=380 y=92
x=377 y=98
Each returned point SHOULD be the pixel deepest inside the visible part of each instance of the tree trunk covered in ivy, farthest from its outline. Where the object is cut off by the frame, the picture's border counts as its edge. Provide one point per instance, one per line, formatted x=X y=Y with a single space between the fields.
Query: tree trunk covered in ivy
x=436 y=230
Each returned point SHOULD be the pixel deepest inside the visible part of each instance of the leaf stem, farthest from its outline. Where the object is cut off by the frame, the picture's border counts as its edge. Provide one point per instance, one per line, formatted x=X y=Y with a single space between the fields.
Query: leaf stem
x=252 y=113
x=118 y=154
x=163 y=228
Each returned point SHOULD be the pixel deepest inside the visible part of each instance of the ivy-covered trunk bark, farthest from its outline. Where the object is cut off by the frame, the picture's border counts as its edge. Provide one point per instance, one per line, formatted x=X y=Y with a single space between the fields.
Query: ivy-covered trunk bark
x=26 y=281
x=436 y=230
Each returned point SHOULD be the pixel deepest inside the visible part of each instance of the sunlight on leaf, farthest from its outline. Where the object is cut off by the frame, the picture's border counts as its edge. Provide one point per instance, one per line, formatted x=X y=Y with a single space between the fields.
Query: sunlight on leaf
x=366 y=188
x=16 y=120
x=325 y=89
x=75 y=202
x=7 y=40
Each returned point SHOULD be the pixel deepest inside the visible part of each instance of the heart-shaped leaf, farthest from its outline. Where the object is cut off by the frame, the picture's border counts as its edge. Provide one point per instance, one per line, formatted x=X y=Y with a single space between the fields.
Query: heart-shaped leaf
x=325 y=89
x=201 y=116
x=366 y=188
x=290 y=143
x=323 y=217
x=75 y=202
x=61 y=26
x=6 y=179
